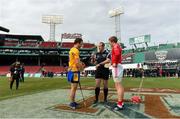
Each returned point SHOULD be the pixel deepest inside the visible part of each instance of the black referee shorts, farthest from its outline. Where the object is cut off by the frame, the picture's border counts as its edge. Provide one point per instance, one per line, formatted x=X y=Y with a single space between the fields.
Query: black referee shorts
x=102 y=73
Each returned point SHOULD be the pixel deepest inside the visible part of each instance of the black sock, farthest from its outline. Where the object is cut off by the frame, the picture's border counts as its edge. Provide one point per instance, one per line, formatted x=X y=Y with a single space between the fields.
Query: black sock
x=105 y=94
x=11 y=84
x=97 y=91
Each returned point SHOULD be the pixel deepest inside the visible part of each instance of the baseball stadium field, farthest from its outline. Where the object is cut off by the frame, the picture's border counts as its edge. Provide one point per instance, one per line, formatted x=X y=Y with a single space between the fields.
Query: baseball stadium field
x=48 y=97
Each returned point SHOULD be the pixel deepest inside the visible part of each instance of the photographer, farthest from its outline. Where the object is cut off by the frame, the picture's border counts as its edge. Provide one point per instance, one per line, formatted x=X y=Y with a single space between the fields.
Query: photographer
x=15 y=74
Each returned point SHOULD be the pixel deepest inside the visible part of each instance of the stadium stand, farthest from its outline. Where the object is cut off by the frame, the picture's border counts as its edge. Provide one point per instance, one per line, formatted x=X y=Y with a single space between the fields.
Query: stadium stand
x=4 y=29
x=48 y=44
x=178 y=45
x=55 y=69
x=166 y=46
x=88 y=45
x=4 y=70
x=29 y=44
x=67 y=45
x=10 y=43
x=70 y=45
x=152 y=48
x=32 y=50
x=34 y=69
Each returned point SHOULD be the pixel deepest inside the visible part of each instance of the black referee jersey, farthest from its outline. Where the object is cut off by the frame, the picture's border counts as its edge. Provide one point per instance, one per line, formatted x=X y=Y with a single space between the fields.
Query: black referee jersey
x=102 y=72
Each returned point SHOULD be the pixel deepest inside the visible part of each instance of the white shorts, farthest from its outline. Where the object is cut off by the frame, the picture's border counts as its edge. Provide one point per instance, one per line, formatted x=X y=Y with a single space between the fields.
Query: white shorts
x=117 y=73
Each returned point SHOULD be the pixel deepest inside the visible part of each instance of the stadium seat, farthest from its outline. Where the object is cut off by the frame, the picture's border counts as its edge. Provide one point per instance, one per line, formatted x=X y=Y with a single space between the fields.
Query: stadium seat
x=152 y=48
x=70 y=45
x=4 y=70
x=48 y=44
x=54 y=69
x=29 y=44
x=32 y=69
x=88 y=45
x=67 y=45
x=10 y=43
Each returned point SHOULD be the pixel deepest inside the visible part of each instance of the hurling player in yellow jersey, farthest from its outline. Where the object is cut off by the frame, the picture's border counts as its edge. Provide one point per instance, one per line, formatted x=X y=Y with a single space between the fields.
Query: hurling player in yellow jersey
x=74 y=70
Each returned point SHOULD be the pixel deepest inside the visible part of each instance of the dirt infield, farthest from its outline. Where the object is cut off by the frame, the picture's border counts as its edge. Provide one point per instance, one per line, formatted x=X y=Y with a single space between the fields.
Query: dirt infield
x=154 y=90
x=155 y=107
x=53 y=104
x=84 y=106
x=152 y=103
x=150 y=90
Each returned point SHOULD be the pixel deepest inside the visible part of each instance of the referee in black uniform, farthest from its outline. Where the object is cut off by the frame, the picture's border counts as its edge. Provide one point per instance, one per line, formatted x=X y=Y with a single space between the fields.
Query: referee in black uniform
x=102 y=73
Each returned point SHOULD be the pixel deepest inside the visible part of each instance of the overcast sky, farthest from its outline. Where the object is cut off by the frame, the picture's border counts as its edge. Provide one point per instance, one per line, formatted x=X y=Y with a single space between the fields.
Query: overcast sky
x=160 y=18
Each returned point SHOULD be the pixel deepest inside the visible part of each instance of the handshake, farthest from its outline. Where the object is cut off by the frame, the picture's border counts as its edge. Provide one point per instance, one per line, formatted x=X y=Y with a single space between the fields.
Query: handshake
x=81 y=66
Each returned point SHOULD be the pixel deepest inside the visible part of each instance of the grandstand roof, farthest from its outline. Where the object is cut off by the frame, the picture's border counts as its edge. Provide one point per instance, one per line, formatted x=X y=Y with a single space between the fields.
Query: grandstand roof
x=4 y=29
x=21 y=37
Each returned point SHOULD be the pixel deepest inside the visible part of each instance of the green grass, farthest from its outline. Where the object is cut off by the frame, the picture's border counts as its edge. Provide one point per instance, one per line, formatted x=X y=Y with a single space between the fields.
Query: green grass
x=34 y=85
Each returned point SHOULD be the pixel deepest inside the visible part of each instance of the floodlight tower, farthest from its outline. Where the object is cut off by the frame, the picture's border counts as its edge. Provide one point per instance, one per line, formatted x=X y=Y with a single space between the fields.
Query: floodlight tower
x=53 y=20
x=115 y=13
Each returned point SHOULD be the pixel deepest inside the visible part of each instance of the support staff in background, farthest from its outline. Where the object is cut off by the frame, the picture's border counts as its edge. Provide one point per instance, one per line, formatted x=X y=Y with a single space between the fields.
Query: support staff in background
x=22 y=70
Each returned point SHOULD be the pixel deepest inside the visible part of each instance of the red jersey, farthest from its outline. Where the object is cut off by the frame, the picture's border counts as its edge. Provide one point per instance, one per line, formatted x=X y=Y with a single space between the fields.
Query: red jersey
x=116 y=54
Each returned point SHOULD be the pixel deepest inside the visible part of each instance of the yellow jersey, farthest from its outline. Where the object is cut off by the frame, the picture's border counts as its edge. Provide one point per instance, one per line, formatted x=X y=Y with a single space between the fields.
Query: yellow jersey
x=73 y=59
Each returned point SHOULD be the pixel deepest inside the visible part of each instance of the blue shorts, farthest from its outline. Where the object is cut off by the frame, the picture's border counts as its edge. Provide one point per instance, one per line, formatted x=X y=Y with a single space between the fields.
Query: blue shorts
x=73 y=77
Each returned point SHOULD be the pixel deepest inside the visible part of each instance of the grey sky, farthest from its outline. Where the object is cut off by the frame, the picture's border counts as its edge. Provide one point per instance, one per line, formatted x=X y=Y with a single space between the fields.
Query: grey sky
x=160 y=18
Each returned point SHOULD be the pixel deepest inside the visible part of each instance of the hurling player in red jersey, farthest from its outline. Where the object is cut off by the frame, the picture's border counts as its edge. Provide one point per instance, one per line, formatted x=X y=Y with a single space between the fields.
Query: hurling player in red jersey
x=117 y=70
